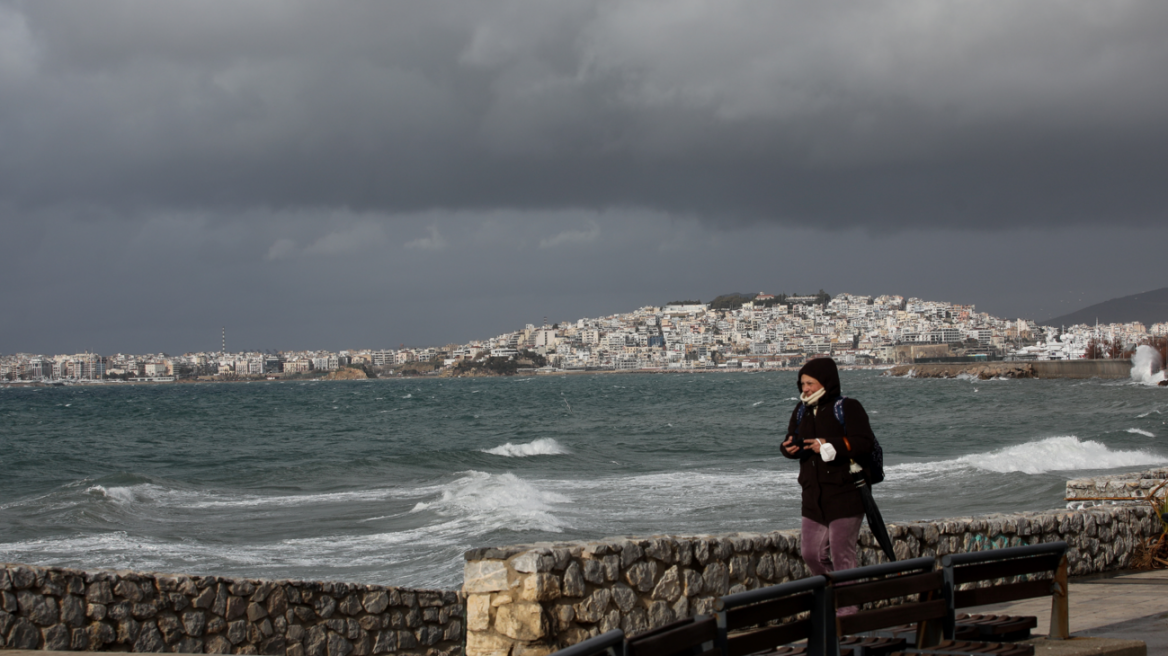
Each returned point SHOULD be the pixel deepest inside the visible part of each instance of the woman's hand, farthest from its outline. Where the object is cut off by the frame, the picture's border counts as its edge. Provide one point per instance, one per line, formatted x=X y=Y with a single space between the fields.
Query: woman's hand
x=789 y=446
x=814 y=445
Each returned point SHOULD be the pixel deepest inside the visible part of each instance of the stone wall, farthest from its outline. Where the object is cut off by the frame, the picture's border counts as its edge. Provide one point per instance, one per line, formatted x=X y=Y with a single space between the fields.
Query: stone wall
x=1109 y=490
x=530 y=600
x=63 y=609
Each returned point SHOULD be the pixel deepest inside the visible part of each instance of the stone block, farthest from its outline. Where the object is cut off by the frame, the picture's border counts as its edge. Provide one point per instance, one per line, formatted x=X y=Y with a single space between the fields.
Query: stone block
x=531 y=650
x=482 y=643
x=635 y=622
x=563 y=615
x=540 y=587
x=716 y=579
x=78 y=640
x=661 y=549
x=375 y=602
x=39 y=609
x=660 y=614
x=484 y=576
x=530 y=562
x=221 y=645
x=23 y=635
x=149 y=639
x=642 y=575
x=593 y=571
x=624 y=597
x=520 y=620
x=573 y=585
x=194 y=623
x=669 y=587
x=56 y=637
x=631 y=552
x=593 y=608
x=338 y=646
x=73 y=611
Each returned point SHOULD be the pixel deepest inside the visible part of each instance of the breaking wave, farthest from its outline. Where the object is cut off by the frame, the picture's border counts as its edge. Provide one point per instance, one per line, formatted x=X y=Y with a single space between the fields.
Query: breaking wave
x=1066 y=453
x=497 y=501
x=544 y=446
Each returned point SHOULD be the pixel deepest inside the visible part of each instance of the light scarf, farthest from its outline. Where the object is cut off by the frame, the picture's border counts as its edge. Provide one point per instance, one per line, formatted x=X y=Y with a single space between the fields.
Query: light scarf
x=812 y=399
x=826 y=451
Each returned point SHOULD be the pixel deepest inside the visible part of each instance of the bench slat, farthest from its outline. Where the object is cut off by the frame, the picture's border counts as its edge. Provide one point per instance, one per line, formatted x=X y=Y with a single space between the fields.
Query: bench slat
x=674 y=640
x=1001 y=593
x=768 y=638
x=1006 y=568
x=855 y=594
x=880 y=618
x=766 y=611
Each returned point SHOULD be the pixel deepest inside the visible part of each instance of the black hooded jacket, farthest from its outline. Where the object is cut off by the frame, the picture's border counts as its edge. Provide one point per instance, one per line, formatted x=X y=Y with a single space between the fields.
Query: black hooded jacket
x=828 y=490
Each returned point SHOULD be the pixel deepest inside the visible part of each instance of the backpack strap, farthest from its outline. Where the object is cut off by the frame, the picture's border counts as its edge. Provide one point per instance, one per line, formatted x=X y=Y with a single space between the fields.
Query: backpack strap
x=839 y=411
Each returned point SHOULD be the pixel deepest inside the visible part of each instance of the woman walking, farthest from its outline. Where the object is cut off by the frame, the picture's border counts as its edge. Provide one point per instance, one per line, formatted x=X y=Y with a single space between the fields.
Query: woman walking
x=825 y=448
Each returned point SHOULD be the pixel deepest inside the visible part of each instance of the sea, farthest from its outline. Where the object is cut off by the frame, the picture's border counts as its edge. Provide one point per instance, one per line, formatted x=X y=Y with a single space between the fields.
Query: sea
x=391 y=481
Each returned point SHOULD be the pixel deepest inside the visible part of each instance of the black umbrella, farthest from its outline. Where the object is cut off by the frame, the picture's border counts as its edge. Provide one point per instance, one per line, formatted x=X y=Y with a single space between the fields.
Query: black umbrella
x=875 y=520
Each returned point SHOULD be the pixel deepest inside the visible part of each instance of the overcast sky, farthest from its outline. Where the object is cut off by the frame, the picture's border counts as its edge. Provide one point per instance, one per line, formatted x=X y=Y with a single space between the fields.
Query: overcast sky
x=364 y=175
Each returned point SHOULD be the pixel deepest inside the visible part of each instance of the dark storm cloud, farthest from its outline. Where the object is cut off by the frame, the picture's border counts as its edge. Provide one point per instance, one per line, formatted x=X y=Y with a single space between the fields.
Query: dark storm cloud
x=881 y=115
x=336 y=279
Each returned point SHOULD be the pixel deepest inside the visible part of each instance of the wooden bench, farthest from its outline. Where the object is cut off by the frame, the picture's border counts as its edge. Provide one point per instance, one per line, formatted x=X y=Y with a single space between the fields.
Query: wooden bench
x=994 y=565
x=605 y=644
x=889 y=581
x=914 y=590
x=696 y=636
x=768 y=619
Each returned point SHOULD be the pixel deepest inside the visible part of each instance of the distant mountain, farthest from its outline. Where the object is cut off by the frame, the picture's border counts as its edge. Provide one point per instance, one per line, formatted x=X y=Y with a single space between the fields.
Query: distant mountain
x=1147 y=308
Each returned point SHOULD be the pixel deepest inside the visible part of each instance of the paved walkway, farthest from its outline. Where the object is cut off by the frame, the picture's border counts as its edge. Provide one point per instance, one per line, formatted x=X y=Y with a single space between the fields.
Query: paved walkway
x=1130 y=605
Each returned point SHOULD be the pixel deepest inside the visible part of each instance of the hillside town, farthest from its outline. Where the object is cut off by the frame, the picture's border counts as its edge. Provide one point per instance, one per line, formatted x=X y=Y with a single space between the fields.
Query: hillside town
x=732 y=332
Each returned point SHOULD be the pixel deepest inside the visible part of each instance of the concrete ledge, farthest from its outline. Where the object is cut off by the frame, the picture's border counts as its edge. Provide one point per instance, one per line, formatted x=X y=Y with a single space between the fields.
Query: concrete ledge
x=1088 y=647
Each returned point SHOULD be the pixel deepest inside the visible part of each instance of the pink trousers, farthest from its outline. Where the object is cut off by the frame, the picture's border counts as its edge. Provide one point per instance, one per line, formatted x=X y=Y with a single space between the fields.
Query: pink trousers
x=830 y=548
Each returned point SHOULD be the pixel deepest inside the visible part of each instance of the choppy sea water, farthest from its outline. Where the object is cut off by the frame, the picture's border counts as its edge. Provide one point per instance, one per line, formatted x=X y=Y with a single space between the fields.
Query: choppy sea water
x=389 y=481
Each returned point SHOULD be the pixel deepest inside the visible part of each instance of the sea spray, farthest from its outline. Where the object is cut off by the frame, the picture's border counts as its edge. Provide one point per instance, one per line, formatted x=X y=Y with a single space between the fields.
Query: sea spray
x=1147 y=366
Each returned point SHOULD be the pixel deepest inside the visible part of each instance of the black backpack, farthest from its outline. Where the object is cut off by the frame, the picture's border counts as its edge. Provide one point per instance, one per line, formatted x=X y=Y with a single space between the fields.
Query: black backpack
x=873 y=463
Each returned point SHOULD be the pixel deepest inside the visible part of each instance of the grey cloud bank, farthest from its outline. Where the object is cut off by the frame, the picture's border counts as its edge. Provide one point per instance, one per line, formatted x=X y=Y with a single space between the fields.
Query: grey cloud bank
x=883 y=114
x=387 y=173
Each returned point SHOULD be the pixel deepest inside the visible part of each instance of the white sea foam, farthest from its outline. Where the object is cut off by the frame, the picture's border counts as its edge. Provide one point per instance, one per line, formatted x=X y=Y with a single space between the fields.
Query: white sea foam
x=157 y=495
x=545 y=446
x=757 y=403
x=497 y=501
x=1147 y=366
x=1137 y=431
x=1065 y=453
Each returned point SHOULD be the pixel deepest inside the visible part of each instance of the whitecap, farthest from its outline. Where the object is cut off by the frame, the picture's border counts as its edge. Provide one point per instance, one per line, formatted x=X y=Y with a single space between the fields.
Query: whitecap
x=1137 y=431
x=757 y=403
x=1064 y=453
x=545 y=446
x=497 y=501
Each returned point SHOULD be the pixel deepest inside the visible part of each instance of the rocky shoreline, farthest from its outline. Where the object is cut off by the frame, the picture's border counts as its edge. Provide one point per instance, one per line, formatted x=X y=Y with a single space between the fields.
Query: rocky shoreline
x=1075 y=369
x=984 y=371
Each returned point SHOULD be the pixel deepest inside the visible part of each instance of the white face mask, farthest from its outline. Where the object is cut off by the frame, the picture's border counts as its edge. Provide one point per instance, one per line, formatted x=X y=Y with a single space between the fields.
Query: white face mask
x=810 y=399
